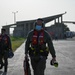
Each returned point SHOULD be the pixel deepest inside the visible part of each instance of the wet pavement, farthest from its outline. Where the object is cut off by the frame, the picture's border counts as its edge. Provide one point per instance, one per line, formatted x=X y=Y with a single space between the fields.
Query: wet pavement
x=65 y=51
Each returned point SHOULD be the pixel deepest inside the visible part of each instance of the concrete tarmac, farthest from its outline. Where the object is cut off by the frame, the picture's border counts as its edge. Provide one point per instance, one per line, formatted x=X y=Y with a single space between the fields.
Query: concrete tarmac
x=65 y=52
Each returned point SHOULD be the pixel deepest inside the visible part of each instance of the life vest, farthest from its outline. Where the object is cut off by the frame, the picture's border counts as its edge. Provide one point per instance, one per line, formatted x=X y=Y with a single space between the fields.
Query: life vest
x=3 y=40
x=38 y=38
x=37 y=44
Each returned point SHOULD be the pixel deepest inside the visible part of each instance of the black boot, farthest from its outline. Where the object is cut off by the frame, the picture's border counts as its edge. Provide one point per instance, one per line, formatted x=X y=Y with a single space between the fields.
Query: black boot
x=1 y=65
x=5 y=67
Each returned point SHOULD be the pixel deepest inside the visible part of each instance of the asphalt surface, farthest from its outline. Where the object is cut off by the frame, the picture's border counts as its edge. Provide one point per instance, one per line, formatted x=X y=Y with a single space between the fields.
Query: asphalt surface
x=65 y=51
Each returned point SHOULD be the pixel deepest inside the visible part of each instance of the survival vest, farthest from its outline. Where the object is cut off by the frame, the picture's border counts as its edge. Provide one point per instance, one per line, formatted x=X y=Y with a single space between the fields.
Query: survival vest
x=38 y=38
x=37 y=44
x=3 y=41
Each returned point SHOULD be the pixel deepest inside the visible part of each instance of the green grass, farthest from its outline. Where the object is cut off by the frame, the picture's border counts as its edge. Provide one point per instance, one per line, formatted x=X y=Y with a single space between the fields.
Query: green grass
x=16 y=42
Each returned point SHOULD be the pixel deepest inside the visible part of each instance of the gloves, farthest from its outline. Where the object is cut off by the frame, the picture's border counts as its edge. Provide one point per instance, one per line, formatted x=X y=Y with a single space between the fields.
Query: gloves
x=53 y=62
x=26 y=56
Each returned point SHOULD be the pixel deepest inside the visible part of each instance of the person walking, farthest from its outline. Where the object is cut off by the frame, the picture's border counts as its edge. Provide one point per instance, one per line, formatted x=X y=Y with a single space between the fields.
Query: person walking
x=5 y=47
x=38 y=45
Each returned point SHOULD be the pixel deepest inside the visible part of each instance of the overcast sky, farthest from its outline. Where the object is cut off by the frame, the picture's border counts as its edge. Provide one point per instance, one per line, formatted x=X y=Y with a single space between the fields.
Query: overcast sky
x=33 y=9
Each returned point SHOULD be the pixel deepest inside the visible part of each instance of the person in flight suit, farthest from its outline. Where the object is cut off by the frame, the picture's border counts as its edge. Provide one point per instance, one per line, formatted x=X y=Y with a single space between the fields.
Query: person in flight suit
x=5 y=46
x=38 y=45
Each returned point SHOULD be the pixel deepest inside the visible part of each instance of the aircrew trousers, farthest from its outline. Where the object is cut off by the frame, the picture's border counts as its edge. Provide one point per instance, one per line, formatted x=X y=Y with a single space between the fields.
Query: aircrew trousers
x=1 y=62
x=38 y=64
x=5 y=61
x=4 y=56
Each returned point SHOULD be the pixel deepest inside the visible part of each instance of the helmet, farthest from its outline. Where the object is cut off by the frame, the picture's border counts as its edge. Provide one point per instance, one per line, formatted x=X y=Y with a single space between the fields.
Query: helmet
x=10 y=54
x=35 y=23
